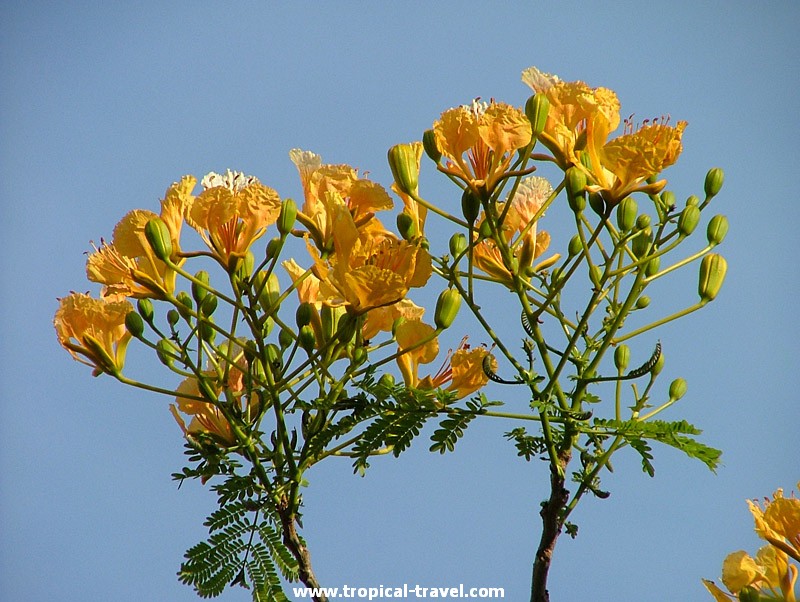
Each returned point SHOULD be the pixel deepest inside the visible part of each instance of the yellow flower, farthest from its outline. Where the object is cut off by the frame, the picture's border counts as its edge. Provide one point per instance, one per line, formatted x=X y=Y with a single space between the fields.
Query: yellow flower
x=231 y=213
x=417 y=345
x=480 y=141
x=326 y=186
x=462 y=371
x=93 y=331
x=381 y=319
x=739 y=570
x=779 y=522
x=417 y=212
x=127 y=266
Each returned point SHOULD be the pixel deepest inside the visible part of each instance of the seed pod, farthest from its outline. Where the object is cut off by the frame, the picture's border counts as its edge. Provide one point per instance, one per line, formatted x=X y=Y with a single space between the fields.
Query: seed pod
x=626 y=213
x=576 y=186
x=287 y=216
x=688 y=220
x=158 y=236
x=622 y=356
x=134 y=324
x=677 y=389
x=712 y=274
x=713 y=184
x=717 y=229
x=406 y=226
x=470 y=206
x=404 y=163
x=536 y=109
x=447 y=306
x=430 y=146
x=458 y=244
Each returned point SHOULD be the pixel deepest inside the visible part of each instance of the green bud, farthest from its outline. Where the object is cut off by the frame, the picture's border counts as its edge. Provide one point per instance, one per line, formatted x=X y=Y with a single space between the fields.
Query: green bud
x=396 y=324
x=640 y=245
x=576 y=186
x=273 y=248
x=626 y=213
x=712 y=274
x=658 y=367
x=677 y=389
x=273 y=355
x=304 y=313
x=750 y=594
x=359 y=355
x=403 y=162
x=692 y=201
x=158 y=236
x=198 y=291
x=597 y=204
x=406 y=226
x=458 y=244
x=386 y=381
x=642 y=302
x=485 y=230
x=470 y=206
x=206 y=330
x=209 y=305
x=447 y=306
x=287 y=216
x=346 y=328
x=145 y=309
x=167 y=352
x=652 y=266
x=668 y=198
x=134 y=324
x=688 y=220
x=285 y=338
x=713 y=183
x=307 y=339
x=596 y=275
x=643 y=222
x=245 y=265
x=622 y=356
x=717 y=229
x=173 y=317
x=536 y=109
x=575 y=246
x=184 y=304
x=430 y=146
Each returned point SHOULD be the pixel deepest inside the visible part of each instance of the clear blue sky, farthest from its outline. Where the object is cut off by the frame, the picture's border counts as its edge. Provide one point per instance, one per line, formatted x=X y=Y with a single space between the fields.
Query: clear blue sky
x=102 y=106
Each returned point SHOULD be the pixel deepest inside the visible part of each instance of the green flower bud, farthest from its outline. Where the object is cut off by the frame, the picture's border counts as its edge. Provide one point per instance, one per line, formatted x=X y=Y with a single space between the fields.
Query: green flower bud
x=596 y=276
x=458 y=244
x=652 y=266
x=750 y=594
x=717 y=229
x=209 y=305
x=677 y=389
x=642 y=302
x=688 y=220
x=597 y=204
x=713 y=183
x=386 y=381
x=198 y=291
x=245 y=265
x=285 y=338
x=167 y=352
x=622 y=356
x=173 y=317
x=659 y=366
x=158 y=236
x=626 y=213
x=403 y=162
x=359 y=355
x=396 y=324
x=287 y=216
x=134 y=324
x=145 y=309
x=668 y=198
x=307 y=339
x=346 y=328
x=430 y=146
x=575 y=246
x=643 y=222
x=536 y=109
x=447 y=306
x=304 y=313
x=692 y=201
x=485 y=229
x=184 y=304
x=576 y=186
x=206 y=330
x=273 y=355
x=273 y=248
x=712 y=274
x=470 y=206
x=406 y=226
x=640 y=244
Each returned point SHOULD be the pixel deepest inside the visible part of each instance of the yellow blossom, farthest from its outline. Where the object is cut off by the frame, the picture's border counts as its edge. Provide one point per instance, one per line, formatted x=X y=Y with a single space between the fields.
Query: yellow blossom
x=462 y=371
x=93 y=331
x=417 y=345
x=412 y=208
x=381 y=319
x=231 y=213
x=127 y=266
x=739 y=570
x=480 y=141
x=779 y=522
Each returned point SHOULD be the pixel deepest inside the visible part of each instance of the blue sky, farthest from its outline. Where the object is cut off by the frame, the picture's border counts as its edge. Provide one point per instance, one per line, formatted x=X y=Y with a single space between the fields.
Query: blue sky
x=103 y=105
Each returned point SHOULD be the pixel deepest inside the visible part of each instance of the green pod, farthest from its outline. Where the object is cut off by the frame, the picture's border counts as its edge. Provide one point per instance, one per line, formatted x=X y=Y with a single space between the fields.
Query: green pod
x=470 y=206
x=717 y=229
x=712 y=274
x=200 y=288
x=406 y=226
x=158 y=236
x=575 y=246
x=622 y=357
x=145 y=309
x=677 y=389
x=430 y=146
x=404 y=165
x=287 y=217
x=447 y=306
x=714 y=180
x=458 y=244
x=627 y=211
x=576 y=187
x=658 y=366
x=134 y=324
x=536 y=109
x=688 y=220
x=209 y=305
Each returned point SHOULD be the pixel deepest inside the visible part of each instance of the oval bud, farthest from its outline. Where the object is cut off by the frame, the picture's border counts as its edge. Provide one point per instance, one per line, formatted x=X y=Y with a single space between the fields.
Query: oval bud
x=659 y=366
x=626 y=213
x=206 y=330
x=304 y=313
x=575 y=246
x=642 y=302
x=688 y=220
x=209 y=305
x=576 y=186
x=622 y=356
x=652 y=266
x=430 y=146
x=750 y=594
x=596 y=275
x=713 y=184
x=386 y=381
x=712 y=274
x=346 y=328
x=692 y=200
x=273 y=248
x=273 y=355
x=485 y=230
x=134 y=324
x=173 y=317
x=245 y=265
x=406 y=226
x=717 y=229
x=643 y=222
x=597 y=204
x=470 y=206
x=677 y=389
x=167 y=352
x=198 y=290
x=184 y=303
x=458 y=244
x=404 y=163
x=307 y=339
x=536 y=109
x=145 y=309
x=287 y=217
x=640 y=245
x=668 y=199
x=359 y=355
x=285 y=338
x=447 y=306
x=158 y=237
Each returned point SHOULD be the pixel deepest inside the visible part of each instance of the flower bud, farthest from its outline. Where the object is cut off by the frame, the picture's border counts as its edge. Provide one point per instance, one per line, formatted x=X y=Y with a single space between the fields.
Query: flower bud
x=406 y=226
x=145 y=309
x=245 y=265
x=209 y=305
x=287 y=216
x=597 y=204
x=713 y=183
x=536 y=109
x=304 y=314
x=359 y=355
x=717 y=229
x=626 y=213
x=173 y=317
x=158 y=236
x=642 y=302
x=470 y=206
x=430 y=146
x=273 y=248
x=273 y=355
x=659 y=366
x=576 y=185
x=167 y=352
x=677 y=389
x=652 y=266
x=206 y=330
x=447 y=306
x=668 y=199
x=596 y=276
x=307 y=339
x=458 y=244
x=198 y=290
x=268 y=290
x=134 y=324
x=404 y=163
x=692 y=200
x=643 y=222
x=485 y=229
x=622 y=356
x=184 y=304
x=712 y=275
x=750 y=594
x=285 y=338
x=688 y=220
x=347 y=327
x=640 y=245
x=575 y=246
x=386 y=381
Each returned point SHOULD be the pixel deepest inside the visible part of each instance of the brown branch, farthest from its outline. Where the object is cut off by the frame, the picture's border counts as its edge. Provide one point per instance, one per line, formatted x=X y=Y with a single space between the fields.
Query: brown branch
x=300 y=552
